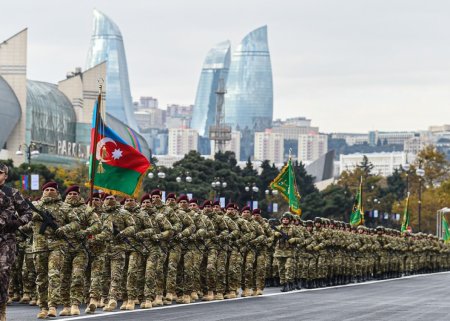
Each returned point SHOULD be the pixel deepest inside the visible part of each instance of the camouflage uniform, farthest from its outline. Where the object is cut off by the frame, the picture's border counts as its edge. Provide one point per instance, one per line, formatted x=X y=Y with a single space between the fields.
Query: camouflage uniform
x=11 y=201
x=120 y=226
x=50 y=250
x=76 y=259
x=157 y=232
x=259 y=271
x=287 y=236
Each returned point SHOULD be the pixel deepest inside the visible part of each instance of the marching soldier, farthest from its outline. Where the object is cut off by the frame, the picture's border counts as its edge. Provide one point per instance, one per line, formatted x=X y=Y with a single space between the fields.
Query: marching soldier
x=11 y=201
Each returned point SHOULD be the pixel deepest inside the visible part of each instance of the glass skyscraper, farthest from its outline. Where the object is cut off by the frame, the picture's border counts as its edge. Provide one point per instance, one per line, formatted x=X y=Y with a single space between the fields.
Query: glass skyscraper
x=249 y=98
x=107 y=45
x=215 y=67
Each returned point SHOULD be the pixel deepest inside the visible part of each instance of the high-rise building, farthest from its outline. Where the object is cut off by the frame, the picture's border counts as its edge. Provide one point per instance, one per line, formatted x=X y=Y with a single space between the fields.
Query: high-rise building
x=182 y=141
x=311 y=147
x=270 y=146
x=215 y=68
x=107 y=45
x=178 y=116
x=384 y=164
x=249 y=98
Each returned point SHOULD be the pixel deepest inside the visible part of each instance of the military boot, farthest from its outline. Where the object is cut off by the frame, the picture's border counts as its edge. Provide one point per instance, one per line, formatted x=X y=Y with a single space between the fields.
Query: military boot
x=9 y=302
x=158 y=301
x=75 y=309
x=259 y=291
x=16 y=297
x=297 y=284
x=52 y=311
x=291 y=286
x=194 y=296
x=218 y=296
x=186 y=299
x=209 y=296
x=43 y=314
x=130 y=305
x=102 y=303
x=33 y=302
x=25 y=298
x=147 y=304
x=285 y=288
x=111 y=306
x=92 y=306
x=233 y=295
x=65 y=312
x=124 y=305
x=3 y=312
x=168 y=299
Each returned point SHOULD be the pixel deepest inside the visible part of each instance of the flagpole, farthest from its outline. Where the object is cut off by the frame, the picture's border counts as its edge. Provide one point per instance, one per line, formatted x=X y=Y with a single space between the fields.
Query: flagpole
x=95 y=141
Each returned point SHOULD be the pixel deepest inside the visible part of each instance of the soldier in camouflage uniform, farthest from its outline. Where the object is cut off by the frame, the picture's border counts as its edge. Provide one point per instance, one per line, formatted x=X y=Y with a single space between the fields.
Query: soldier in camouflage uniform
x=183 y=227
x=249 y=249
x=287 y=237
x=235 y=255
x=11 y=201
x=271 y=265
x=76 y=259
x=50 y=249
x=29 y=271
x=156 y=234
x=97 y=246
x=259 y=271
x=120 y=226
x=135 y=257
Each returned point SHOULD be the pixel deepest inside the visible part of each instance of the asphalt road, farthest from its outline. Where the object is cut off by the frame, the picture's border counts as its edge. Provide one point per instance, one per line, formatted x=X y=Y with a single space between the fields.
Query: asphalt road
x=423 y=297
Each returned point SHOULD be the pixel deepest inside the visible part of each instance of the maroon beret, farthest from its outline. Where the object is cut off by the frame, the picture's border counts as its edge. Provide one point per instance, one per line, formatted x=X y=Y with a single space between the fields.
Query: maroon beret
x=122 y=201
x=96 y=195
x=246 y=208
x=51 y=184
x=182 y=198
x=73 y=188
x=257 y=211
x=193 y=200
x=216 y=203
x=156 y=192
x=171 y=195
x=144 y=197
x=105 y=195
x=207 y=202
x=230 y=205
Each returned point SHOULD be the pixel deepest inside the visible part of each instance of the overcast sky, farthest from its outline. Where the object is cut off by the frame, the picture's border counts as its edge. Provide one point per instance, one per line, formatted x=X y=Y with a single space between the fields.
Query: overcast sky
x=349 y=65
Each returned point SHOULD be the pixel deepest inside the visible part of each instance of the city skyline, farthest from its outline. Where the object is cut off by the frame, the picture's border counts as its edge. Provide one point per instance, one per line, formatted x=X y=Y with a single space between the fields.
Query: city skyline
x=351 y=67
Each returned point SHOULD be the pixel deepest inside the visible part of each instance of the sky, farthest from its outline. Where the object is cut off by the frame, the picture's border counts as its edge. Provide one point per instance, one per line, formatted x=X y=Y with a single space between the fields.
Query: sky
x=349 y=65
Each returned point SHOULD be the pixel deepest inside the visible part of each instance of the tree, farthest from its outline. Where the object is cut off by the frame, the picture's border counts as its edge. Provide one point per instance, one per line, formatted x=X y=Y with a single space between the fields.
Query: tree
x=435 y=165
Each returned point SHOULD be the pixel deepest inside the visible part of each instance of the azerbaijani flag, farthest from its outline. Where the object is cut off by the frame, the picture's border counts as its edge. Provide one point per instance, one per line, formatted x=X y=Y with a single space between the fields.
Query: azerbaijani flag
x=357 y=216
x=285 y=183
x=115 y=166
x=24 y=182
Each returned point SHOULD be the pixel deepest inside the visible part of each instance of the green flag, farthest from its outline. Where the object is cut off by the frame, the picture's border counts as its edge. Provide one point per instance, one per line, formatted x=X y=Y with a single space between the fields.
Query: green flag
x=357 y=216
x=285 y=183
x=445 y=230
x=406 y=217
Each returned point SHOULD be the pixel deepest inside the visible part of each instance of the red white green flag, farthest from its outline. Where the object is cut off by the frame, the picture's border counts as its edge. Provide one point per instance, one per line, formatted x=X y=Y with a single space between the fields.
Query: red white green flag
x=115 y=166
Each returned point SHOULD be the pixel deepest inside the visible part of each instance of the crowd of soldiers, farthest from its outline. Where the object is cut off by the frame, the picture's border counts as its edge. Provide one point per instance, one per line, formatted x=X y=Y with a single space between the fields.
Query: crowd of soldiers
x=150 y=253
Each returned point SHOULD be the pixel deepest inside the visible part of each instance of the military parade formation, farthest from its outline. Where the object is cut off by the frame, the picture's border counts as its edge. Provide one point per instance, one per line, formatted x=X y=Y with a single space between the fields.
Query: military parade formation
x=124 y=254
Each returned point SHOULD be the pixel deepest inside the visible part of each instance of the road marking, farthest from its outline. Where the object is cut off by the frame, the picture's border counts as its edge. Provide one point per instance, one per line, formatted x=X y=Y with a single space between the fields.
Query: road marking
x=175 y=306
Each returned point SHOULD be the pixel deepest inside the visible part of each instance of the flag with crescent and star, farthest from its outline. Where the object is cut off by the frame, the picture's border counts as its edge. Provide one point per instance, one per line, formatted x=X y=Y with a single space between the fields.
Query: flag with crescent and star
x=118 y=166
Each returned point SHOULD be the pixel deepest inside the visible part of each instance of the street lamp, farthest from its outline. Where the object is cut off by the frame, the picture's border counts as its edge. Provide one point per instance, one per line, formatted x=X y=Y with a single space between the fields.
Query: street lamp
x=30 y=150
x=218 y=184
x=420 y=172
x=187 y=179
x=406 y=167
x=159 y=175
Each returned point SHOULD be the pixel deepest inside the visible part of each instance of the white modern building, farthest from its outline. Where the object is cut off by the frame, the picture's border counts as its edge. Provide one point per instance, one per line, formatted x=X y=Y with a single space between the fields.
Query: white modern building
x=270 y=146
x=182 y=141
x=384 y=164
x=311 y=147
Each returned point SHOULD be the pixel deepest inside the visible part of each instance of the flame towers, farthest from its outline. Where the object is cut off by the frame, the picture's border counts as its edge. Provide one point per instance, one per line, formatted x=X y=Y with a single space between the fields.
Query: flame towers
x=107 y=45
x=249 y=98
x=215 y=68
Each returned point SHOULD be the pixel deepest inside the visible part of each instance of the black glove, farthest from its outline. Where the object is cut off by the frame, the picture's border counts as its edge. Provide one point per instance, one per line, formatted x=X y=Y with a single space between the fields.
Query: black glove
x=12 y=226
